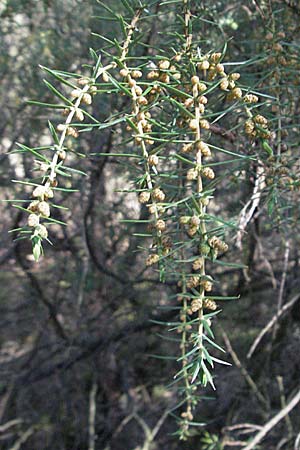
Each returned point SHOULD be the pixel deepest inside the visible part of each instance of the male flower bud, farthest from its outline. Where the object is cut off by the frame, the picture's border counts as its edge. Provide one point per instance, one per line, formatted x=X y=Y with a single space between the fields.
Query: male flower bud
x=250 y=98
x=192 y=174
x=193 y=124
x=215 y=57
x=209 y=304
x=196 y=304
x=87 y=99
x=186 y=148
x=152 y=259
x=204 y=124
x=160 y=225
x=83 y=81
x=44 y=209
x=76 y=93
x=144 y=197
x=207 y=285
x=208 y=173
x=39 y=191
x=198 y=264
x=124 y=72
x=153 y=160
x=195 y=221
x=164 y=64
x=42 y=231
x=158 y=195
x=195 y=80
x=203 y=65
x=33 y=220
x=184 y=220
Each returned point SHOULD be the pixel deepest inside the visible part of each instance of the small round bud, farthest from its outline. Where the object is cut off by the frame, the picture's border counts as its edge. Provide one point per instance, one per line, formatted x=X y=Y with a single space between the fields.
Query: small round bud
x=72 y=132
x=165 y=78
x=204 y=201
x=281 y=34
x=215 y=57
x=61 y=127
x=152 y=259
x=153 y=160
x=62 y=154
x=198 y=264
x=187 y=148
x=83 y=81
x=49 y=193
x=260 y=120
x=204 y=124
x=160 y=225
x=158 y=195
x=250 y=98
x=39 y=191
x=204 y=148
x=201 y=87
x=192 y=231
x=144 y=197
x=138 y=90
x=277 y=47
x=188 y=103
x=209 y=304
x=203 y=65
x=208 y=173
x=44 y=209
x=203 y=100
x=153 y=75
x=207 y=285
x=193 y=124
x=224 y=84
x=195 y=80
x=79 y=115
x=236 y=93
x=76 y=93
x=184 y=220
x=195 y=221
x=105 y=77
x=87 y=99
x=33 y=206
x=220 y=68
x=42 y=231
x=142 y=101
x=124 y=72
x=164 y=64
x=136 y=74
x=33 y=220
x=235 y=76
x=192 y=174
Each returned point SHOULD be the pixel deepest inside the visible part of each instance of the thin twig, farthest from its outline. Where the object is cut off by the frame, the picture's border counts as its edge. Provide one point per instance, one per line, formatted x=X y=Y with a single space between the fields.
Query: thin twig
x=283 y=405
x=92 y=416
x=274 y=421
x=244 y=372
x=249 y=209
x=282 y=282
x=10 y=424
x=24 y=437
x=271 y=323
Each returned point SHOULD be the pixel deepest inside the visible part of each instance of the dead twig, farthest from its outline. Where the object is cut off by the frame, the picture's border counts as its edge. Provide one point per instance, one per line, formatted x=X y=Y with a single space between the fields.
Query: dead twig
x=274 y=421
x=92 y=416
x=270 y=324
x=250 y=207
x=244 y=372
x=288 y=421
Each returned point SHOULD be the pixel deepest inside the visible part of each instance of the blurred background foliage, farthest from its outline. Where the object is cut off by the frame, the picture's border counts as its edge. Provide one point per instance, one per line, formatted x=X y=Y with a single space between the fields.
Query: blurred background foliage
x=75 y=328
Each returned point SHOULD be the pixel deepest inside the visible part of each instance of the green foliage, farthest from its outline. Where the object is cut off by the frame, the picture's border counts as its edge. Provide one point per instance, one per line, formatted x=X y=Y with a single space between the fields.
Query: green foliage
x=196 y=118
